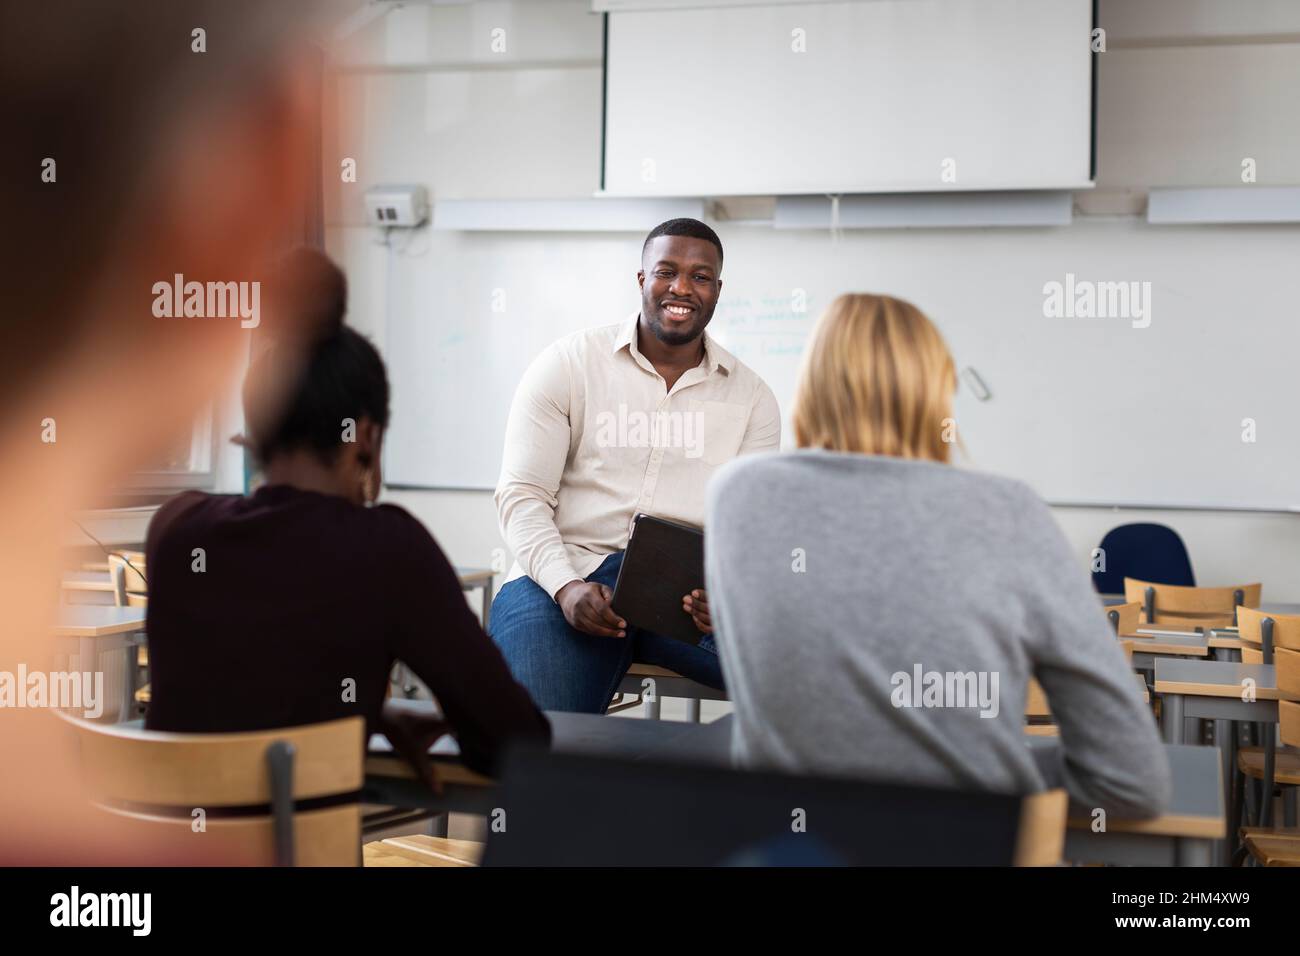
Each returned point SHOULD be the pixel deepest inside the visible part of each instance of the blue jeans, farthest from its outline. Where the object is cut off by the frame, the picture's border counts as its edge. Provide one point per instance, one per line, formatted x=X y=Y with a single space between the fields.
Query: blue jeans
x=565 y=669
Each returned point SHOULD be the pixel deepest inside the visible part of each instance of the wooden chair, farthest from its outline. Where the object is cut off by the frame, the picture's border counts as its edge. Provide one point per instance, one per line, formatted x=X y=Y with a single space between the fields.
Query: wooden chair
x=1124 y=618
x=1271 y=639
x=666 y=684
x=420 y=850
x=1263 y=632
x=129 y=586
x=1190 y=608
x=130 y=589
x=1279 y=846
x=1041 y=839
x=1265 y=768
x=246 y=784
x=1038 y=715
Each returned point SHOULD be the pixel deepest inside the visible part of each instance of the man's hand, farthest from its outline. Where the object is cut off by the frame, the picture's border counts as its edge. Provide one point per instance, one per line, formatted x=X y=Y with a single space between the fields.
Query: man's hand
x=696 y=604
x=586 y=607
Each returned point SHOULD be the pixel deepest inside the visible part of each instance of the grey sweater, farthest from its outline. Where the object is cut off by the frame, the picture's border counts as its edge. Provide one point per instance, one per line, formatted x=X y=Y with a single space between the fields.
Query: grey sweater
x=880 y=618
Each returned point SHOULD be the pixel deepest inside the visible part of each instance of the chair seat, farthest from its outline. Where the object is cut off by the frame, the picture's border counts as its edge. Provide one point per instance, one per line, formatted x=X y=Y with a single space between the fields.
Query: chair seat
x=1042 y=730
x=650 y=670
x=1281 y=833
x=1286 y=766
x=1274 y=851
x=420 y=850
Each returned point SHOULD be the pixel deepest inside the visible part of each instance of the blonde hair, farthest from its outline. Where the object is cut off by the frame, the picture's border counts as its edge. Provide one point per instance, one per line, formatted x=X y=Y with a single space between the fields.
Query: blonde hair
x=877 y=379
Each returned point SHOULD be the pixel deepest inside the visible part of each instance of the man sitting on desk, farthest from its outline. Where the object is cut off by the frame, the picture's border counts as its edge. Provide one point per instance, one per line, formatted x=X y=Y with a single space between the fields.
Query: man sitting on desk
x=608 y=423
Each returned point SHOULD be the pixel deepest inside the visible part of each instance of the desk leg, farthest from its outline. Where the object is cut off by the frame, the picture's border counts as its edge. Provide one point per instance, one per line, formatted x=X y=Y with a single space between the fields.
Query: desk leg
x=650 y=706
x=1224 y=738
x=1171 y=717
x=1192 y=852
x=132 y=650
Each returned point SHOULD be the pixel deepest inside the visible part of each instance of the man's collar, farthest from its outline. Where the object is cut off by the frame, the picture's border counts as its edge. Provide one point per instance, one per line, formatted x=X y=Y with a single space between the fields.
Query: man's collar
x=714 y=354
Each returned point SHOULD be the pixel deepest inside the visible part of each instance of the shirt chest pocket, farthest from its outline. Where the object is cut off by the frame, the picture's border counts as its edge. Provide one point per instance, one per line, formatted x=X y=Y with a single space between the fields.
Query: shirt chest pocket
x=717 y=430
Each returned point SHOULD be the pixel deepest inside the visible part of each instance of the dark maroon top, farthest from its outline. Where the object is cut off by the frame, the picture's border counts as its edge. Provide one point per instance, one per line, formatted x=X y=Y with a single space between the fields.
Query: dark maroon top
x=303 y=591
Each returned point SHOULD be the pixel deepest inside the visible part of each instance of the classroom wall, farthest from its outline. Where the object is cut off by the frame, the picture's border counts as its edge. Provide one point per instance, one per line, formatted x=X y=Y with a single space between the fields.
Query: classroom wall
x=408 y=68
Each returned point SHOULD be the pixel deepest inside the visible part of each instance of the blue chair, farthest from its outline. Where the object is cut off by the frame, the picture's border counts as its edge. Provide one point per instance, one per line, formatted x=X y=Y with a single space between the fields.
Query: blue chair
x=1149 y=552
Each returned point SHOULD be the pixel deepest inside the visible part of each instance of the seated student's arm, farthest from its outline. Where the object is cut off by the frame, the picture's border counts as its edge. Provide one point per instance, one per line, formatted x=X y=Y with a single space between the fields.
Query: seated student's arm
x=536 y=449
x=436 y=634
x=1112 y=754
x=763 y=433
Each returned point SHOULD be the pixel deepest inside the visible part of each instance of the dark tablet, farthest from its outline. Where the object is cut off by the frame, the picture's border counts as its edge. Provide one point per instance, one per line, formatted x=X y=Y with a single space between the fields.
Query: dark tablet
x=664 y=562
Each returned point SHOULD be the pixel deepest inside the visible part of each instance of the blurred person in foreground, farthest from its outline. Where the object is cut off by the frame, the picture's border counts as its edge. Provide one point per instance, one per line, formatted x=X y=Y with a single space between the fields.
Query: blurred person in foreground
x=166 y=160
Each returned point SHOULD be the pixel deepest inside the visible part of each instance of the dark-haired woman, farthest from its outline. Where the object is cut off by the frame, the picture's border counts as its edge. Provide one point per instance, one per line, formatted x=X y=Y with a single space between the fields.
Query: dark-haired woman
x=290 y=606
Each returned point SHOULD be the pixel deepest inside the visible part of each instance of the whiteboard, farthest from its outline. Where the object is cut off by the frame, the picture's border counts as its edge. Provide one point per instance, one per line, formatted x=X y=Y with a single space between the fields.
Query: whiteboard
x=885 y=96
x=1085 y=410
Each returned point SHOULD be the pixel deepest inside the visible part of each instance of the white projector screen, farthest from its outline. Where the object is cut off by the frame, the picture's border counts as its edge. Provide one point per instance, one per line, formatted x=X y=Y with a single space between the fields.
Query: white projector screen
x=856 y=97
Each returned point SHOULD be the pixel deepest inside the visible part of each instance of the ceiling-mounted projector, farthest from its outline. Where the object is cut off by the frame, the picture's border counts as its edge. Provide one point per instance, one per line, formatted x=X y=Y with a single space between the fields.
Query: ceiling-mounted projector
x=397 y=206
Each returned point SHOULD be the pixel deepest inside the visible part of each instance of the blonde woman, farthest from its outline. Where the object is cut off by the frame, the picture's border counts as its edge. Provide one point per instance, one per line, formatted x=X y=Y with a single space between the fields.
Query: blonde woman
x=879 y=612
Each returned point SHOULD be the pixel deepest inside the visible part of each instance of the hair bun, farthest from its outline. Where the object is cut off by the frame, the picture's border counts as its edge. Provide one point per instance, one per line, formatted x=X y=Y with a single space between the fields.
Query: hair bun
x=307 y=297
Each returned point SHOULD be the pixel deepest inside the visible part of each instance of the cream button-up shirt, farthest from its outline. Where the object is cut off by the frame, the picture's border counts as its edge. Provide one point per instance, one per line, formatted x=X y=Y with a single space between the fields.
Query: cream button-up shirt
x=594 y=438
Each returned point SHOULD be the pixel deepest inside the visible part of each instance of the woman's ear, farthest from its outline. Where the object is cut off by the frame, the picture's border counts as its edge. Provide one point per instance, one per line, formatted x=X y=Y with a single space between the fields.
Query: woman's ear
x=370 y=437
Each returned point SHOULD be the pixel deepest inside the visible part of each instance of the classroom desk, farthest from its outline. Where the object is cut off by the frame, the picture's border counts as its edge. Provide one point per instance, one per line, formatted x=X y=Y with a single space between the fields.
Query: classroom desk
x=96 y=587
x=1146 y=649
x=1225 y=647
x=391 y=782
x=88 y=620
x=1141 y=682
x=472 y=579
x=92 y=636
x=1268 y=607
x=87 y=587
x=1212 y=690
x=1182 y=836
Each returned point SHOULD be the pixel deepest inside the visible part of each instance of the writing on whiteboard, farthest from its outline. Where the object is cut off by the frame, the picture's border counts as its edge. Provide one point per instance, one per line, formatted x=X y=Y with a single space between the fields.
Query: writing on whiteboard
x=770 y=324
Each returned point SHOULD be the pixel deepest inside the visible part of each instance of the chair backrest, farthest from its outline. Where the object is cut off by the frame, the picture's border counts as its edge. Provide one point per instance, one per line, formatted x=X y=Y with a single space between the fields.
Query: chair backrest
x=1043 y=818
x=129 y=586
x=1124 y=618
x=1152 y=552
x=246 y=784
x=1163 y=604
x=1286 y=665
x=1288 y=722
x=1284 y=631
x=1036 y=700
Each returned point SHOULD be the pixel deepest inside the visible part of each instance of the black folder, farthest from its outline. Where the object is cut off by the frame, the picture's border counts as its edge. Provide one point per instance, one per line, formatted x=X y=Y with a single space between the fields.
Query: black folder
x=663 y=563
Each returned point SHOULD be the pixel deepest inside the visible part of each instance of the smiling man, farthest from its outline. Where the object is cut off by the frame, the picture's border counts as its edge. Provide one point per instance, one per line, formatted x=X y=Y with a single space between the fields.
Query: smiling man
x=606 y=424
